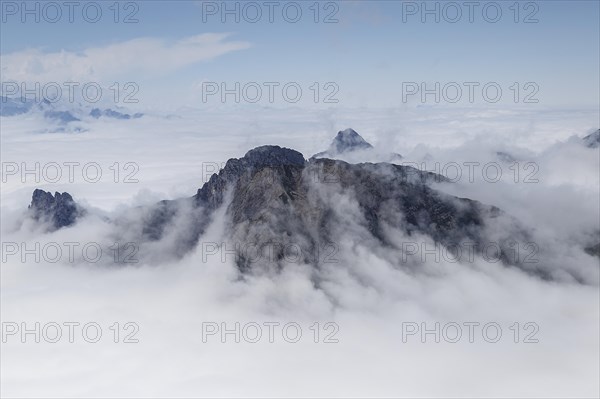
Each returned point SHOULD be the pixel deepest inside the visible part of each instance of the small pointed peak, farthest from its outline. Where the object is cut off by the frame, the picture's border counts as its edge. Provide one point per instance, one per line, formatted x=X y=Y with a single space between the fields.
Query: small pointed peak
x=348 y=140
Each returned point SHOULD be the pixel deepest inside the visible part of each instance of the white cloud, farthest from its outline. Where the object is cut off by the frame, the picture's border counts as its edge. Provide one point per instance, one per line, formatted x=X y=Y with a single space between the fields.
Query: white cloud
x=365 y=294
x=142 y=56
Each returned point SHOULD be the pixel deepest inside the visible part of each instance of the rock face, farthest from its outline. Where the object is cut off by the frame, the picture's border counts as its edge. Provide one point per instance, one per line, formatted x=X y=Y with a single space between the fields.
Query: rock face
x=592 y=140
x=59 y=209
x=293 y=206
x=195 y=212
x=274 y=197
x=271 y=158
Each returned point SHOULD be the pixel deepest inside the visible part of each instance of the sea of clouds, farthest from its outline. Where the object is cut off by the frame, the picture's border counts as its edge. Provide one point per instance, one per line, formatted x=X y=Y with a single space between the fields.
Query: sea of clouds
x=362 y=303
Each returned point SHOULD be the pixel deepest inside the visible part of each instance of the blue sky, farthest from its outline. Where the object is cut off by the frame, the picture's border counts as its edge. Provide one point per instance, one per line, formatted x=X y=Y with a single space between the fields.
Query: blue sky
x=368 y=53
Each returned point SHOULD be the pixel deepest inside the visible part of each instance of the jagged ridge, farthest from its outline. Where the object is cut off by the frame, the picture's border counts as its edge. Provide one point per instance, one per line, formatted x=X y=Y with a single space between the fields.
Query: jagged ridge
x=277 y=196
x=59 y=209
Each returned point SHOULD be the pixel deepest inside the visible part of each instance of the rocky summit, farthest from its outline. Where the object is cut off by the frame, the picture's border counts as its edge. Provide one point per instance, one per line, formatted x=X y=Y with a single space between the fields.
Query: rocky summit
x=345 y=141
x=59 y=210
x=348 y=140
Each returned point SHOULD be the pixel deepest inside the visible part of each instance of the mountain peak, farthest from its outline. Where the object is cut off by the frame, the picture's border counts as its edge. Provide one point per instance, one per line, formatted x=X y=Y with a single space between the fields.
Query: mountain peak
x=272 y=155
x=351 y=147
x=348 y=132
x=348 y=140
x=58 y=209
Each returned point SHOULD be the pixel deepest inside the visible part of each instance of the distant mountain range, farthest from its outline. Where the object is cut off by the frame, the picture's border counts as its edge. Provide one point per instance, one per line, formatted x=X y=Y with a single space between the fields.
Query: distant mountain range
x=63 y=113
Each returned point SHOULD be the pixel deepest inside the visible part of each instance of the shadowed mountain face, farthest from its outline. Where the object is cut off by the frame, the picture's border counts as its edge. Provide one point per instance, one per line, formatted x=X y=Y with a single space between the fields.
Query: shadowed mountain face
x=272 y=158
x=348 y=140
x=59 y=210
x=593 y=250
x=275 y=200
x=349 y=144
x=592 y=140
x=295 y=207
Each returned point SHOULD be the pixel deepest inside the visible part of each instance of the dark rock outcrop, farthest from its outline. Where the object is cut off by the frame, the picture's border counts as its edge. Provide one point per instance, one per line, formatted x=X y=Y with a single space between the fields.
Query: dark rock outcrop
x=274 y=158
x=159 y=217
x=593 y=250
x=59 y=210
x=592 y=140
x=287 y=204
